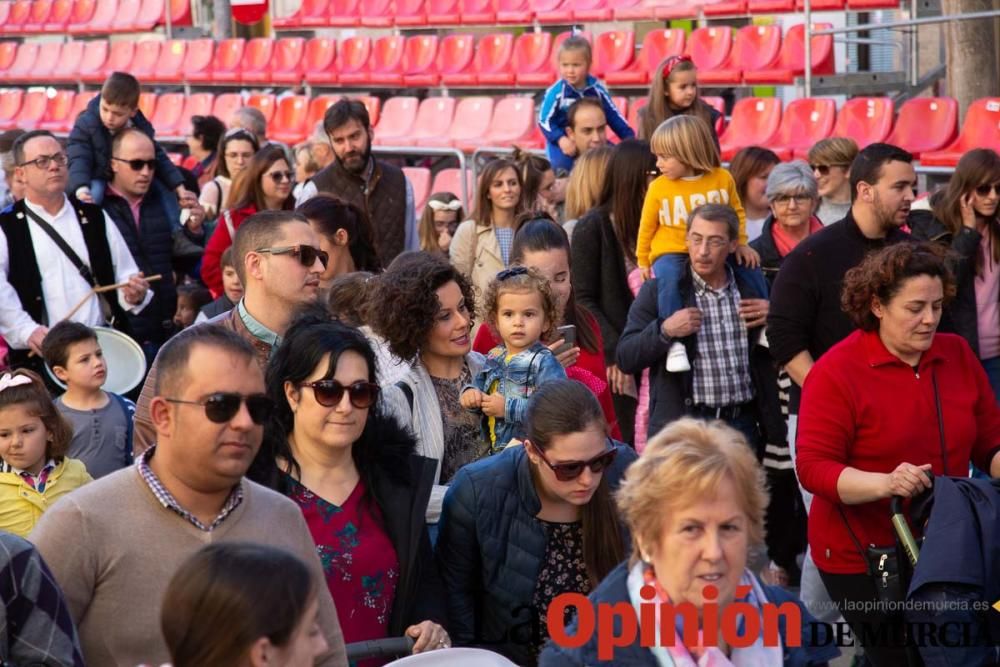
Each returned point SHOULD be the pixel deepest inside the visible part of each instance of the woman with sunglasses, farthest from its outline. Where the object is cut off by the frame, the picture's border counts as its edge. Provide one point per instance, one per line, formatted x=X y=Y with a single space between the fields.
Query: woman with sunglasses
x=966 y=217
x=532 y=522
x=236 y=149
x=264 y=185
x=830 y=161
x=353 y=471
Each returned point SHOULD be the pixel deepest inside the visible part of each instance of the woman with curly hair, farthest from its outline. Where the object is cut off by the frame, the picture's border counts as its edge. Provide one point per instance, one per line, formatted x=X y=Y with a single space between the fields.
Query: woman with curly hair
x=424 y=313
x=858 y=444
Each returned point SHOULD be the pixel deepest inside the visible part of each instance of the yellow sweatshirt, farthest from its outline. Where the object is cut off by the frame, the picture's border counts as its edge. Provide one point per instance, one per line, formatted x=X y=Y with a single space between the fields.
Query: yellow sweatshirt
x=663 y=226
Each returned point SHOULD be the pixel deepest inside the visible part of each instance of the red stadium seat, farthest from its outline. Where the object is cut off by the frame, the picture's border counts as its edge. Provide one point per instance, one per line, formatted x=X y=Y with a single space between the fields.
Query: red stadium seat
x=866 y=5
x=547 y=75
x=719 y=104
x=150 y=14
x=257 y=58
x=95 y=54
x=709 y=47
x=344 y=13
x=867 y=120
x=125 y=18
x=433 y=120
x=587 y=11
x=8 y=54
x=57 y=115
x=756 y=47
x=633 y=112
x=120 y=56
x=17 y=17
x=398 y=116
x=776 y=6
x=377 y=13
x=804 y=122
x=290 y=124
x=450 y=180
x=167 y=116
x=38 y=16
x=225 y=105
x=4 y=14
x=443 y=12
x=657 y=45
x=68 y=64
x=10 y=105
x=725 y=8
x=532 y=55
x=754 y=121
x=494 y=66
x=925 y=124
x=265 y=102
x=373 y=105
x=80 y=15
x=353 y=58
x=319 y=60
x=80 y=103
x=613 y=52
x=198 y=60
x=384 y=68
x=678 y=9
x=410 y=13
x=420 y=181
x=471 y=122
x=45 y=64
x=633 y=10
x=32 y=110
x=981 y=129
x=287 y=64
x=311 y=13
x=317 y=109
x=22 y=69
x=515 y=12
x=147 y=104
x=104 y=16
x=455 y=59
x=196 y=104
x=147 y=56
x=792 y=57
x=553 y=11
x=168 y=67
x=180 y=13
x=513 y=123
x=420 y=61
x=228 y=61
x=477 y=12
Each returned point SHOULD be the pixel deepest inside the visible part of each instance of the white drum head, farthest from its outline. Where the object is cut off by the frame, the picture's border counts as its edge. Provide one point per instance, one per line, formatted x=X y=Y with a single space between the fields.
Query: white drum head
x=125 y=359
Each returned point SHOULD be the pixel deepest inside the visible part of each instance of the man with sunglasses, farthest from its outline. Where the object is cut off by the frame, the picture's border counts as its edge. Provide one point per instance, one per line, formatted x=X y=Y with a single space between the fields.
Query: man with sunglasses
x=279 y=262
x=149 y=232
x=114 y=548
x=53 y=250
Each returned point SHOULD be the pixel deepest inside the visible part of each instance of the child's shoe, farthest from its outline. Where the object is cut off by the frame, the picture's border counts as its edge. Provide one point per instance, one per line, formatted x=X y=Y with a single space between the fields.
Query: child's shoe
x=677 y=359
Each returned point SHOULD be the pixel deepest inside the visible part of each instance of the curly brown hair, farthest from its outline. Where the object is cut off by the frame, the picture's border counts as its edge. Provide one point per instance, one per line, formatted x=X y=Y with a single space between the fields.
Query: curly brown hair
x=406 y=294
x=882 y=274
x=528 y=280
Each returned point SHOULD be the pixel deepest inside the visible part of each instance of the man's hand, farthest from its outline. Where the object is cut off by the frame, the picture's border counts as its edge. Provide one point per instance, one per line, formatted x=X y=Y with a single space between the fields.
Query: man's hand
x=494 y=405
x=684 y=322
x=136 y=289
x=196 y=214
x=36 y=338
x=567 y=146
x=754 y=312
x=83 y=194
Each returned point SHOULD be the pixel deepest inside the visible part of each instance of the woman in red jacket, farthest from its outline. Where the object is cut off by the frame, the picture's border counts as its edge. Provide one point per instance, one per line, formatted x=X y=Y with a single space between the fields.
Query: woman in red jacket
x=543 y=245
x=879 y=410
x=264 y=185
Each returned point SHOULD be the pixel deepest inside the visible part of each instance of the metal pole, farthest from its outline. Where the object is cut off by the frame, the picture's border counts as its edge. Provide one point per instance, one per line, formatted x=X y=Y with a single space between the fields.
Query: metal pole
x=809 y=49
x=914 y=47
x=168 y=18
x=930 y=20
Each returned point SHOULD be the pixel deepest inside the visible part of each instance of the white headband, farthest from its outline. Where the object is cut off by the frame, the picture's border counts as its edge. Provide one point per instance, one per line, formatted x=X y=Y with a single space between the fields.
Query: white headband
x=453 y=205
x=8 y=381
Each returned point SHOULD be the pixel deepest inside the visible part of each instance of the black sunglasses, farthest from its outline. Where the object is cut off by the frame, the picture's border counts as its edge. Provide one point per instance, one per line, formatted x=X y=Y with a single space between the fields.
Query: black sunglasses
x=223 y=406
x=824 y=169
x=567 y=472
x=137 y=165
x=985 y=189
x=306 y=254
x=281 y=176
x=330 y=392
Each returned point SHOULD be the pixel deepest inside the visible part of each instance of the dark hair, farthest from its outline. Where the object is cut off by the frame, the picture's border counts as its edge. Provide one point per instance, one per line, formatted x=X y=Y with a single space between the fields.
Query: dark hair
x=867 y=166
x=247 y=190
x=483 y=212
x=227 y=259
x=563 y=407
x=531 y=169
x=121 y=89
x=408 y=304
x=260 y=230
x=236 y=134
x=750 y=162
x=582 y=103
x=44 y=408
x=625 y=188
x=980 y=166
x=331 y=214
x=56 y=344
x=199 y=295
x=208 y=129
x=342 y=112
x=538 y=232
x=723 y=213
x=881 y=275
x=348 y=299
x=659 y=109
x=172 y=359
x=226 y=596
x=18 y=148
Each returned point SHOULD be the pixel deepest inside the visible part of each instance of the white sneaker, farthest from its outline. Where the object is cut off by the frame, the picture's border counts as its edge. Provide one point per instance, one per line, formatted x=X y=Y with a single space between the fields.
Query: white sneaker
x=677 y=359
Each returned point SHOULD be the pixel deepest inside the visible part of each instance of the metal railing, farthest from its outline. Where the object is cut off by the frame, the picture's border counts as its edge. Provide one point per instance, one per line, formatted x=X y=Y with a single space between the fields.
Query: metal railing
x=417 y=151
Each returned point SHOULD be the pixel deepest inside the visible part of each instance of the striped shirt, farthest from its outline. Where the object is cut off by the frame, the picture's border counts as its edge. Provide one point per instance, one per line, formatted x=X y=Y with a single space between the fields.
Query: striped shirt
x=168 y=501
x=721 y=369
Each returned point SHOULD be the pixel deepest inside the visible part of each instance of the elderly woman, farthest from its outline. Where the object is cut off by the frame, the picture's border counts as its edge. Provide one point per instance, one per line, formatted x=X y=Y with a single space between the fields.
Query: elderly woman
x=859 y=444
x=830 y=161
x=694 y=502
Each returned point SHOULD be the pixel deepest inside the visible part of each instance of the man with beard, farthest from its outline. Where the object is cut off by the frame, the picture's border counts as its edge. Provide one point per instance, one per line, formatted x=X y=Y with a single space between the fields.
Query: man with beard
x=378 y=188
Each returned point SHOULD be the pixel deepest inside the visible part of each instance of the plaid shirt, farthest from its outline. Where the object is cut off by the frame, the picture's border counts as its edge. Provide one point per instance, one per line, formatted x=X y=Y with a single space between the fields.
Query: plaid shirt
x=721 y=369
x=168 y=501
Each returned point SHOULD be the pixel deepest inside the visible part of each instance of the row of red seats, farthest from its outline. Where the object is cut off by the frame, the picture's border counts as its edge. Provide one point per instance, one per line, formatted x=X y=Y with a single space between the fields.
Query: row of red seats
x=418 y=13
x=88 y=17
x=757 y=54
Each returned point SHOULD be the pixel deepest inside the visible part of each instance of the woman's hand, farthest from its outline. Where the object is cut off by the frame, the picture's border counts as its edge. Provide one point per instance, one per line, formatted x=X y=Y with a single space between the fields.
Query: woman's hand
x=968 y=212
x=907 y=480
x=754 y=312
x=621 y=383
x=472 y=399
x=567 y=357
x=747 y=256
x=428 y=636
x=494 y=405
x=444 y=240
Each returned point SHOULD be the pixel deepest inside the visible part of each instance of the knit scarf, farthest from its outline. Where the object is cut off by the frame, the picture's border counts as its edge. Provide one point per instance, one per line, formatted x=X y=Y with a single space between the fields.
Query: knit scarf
x=784 y=242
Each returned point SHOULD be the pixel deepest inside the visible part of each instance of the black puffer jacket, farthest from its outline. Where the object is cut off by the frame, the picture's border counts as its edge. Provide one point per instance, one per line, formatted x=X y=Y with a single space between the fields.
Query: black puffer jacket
x=491 y=547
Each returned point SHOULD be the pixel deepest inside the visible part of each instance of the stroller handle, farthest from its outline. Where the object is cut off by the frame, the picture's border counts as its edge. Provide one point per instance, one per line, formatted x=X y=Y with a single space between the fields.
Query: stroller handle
x=390 y=647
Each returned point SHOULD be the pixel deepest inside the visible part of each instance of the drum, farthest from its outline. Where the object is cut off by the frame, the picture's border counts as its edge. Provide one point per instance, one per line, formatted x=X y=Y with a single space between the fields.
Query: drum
x=124 y=357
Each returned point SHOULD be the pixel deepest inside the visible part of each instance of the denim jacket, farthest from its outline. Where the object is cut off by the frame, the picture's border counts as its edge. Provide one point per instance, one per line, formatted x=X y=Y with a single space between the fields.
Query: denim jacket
x=516 y=380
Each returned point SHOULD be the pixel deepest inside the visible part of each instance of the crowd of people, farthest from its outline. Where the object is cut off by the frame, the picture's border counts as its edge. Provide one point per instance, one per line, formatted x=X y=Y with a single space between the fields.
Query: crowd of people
x=628 y=372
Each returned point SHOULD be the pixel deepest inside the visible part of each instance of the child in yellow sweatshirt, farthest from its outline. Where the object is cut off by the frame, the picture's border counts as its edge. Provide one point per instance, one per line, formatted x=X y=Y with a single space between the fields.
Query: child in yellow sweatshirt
x=691 y=175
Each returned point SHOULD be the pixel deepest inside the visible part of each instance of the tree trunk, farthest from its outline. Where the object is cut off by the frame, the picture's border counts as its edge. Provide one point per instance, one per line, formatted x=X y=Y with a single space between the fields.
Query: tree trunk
x=222 y=20
x=972 y=62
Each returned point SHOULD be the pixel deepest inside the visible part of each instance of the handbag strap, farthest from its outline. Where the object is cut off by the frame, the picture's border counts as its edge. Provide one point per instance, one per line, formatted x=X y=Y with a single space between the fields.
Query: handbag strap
x=84 y=270
x=857 y=542
x=940 y=423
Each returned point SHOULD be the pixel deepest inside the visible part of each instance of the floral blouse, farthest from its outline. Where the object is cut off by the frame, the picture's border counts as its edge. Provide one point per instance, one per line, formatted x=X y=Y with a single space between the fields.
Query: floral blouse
x=563 y=571
x=462 y=442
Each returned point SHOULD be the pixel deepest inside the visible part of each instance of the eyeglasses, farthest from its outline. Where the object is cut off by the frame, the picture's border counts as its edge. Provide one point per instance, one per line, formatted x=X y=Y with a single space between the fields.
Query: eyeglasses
x=824 y=169
x=512 y=272
x=330 y=392
x=785 y=200
x=567 y=472
x=713 y=242
x=43 y=161
x=306 y=254
x=985 y=189
x=281 y=176
x=137 y=165
x=223 y=406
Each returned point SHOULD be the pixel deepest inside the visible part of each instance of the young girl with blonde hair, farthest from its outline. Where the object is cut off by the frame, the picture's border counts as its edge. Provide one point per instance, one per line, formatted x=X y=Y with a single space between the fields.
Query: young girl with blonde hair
x=586 y=183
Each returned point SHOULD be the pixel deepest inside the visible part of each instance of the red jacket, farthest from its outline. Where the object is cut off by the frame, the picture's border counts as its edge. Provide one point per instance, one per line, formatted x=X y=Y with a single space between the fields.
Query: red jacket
x=589 y=362
x=863 y=407
x=211 y=271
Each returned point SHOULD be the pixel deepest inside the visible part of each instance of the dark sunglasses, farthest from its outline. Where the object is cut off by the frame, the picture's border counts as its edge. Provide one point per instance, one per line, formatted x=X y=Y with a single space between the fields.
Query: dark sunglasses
x=137 y=165
x=824 y=169
x=306 y=254
x=281 y=176
x=223 y=406
x=985 y=189
x=567 y=472
x=330 y=392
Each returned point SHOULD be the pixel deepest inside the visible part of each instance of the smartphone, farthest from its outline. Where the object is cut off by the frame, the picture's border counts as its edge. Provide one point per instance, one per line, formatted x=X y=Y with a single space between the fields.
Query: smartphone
x=568 y=334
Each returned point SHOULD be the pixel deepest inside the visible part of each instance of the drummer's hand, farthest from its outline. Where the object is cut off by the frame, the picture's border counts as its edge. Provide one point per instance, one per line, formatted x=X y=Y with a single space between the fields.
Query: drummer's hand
x=36 y=338
x=429 y=636
x=136 y=289
x=908 y=480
